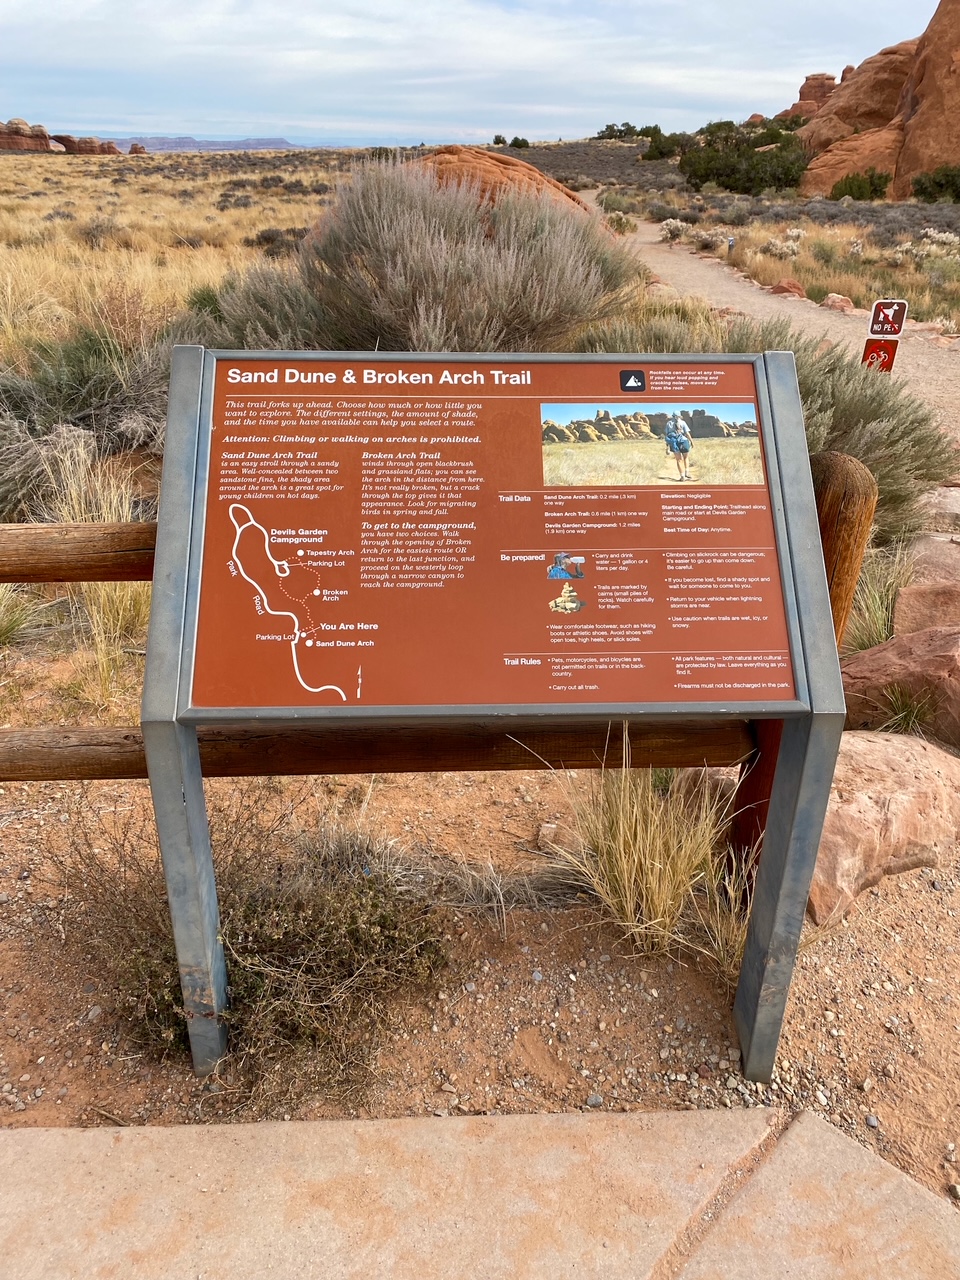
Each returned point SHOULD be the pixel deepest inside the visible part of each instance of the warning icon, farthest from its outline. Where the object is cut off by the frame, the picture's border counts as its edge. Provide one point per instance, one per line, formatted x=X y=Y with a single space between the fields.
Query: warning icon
x=633 y=380
x=887 y=318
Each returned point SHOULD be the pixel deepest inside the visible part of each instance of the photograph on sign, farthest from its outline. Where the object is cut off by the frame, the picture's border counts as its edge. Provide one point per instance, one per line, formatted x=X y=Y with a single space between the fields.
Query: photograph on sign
x=650 y=444
x=388 y=532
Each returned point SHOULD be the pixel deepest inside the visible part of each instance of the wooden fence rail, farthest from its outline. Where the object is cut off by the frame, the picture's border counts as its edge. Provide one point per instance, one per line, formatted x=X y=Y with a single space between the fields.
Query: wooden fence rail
x=38 y=553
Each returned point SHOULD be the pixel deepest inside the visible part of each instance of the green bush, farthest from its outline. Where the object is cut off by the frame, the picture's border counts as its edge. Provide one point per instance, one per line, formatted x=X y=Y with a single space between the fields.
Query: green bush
x=942 y=184
x=519 y=142
x=625 y=132
x=746 y=159
x=499 y=140
x=400 y=263
x=862 y=186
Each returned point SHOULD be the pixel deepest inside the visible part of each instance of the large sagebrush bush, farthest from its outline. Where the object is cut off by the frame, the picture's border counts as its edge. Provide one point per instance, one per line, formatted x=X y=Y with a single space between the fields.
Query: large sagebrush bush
x=401 y=263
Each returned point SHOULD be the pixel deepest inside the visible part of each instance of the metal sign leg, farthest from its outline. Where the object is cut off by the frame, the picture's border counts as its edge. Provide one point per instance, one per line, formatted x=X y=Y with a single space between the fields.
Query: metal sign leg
x=173 y=763
x=798 y=804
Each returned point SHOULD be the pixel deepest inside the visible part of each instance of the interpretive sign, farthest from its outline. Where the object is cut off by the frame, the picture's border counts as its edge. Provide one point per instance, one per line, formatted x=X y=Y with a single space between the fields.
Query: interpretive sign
x=449 y=548
x=388 y=533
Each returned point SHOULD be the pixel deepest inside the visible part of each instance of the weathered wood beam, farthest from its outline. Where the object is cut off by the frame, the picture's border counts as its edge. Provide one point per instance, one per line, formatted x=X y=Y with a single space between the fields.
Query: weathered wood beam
x=77 y=552
x=44 y=755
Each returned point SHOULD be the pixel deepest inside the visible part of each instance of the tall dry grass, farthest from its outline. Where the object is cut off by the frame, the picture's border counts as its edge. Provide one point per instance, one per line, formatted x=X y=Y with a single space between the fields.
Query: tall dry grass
x=110 y=618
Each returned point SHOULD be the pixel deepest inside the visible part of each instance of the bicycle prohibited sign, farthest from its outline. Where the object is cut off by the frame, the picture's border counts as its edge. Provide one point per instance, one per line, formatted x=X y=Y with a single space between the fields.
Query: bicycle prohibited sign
x=880 y=353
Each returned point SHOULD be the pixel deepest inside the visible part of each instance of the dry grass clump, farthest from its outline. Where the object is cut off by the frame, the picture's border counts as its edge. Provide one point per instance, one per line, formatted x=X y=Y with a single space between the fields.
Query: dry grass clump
x=109 y=618
x=649 y=846
x=884 y=571
x=320 y=934
x=20 y=611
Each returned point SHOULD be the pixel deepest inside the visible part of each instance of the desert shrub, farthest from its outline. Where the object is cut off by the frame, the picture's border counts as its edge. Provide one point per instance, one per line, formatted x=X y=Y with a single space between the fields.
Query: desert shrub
x=625 y=132
x=400 y=263
x=852 y=409
x=672 y=229
x=862 y=186
x=320 y=924
x=519 y=142
x=277 y=242
x=617 y=202
x=943 y=183
x=728 y=155
x=620 y=224
x=499 y=140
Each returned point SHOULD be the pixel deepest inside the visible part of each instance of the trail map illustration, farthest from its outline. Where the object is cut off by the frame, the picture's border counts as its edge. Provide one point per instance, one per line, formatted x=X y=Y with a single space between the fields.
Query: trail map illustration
x=277 y=586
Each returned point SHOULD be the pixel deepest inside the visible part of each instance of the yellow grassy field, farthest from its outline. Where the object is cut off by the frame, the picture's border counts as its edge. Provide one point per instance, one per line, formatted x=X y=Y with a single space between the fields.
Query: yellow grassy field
x=120 y=242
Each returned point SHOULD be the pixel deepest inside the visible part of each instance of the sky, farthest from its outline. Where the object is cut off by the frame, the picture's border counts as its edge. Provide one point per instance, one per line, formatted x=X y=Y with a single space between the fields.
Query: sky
x=360 y=72
x=566 y=413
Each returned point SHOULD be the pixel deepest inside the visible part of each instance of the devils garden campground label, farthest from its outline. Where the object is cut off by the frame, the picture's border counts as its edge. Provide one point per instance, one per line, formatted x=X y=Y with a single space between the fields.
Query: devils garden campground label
x=382 y=532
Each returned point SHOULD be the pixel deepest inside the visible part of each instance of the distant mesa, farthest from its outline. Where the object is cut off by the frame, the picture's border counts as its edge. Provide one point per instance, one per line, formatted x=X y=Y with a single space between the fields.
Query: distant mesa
x=17 y=135
x=898 y=112
x=153 y=144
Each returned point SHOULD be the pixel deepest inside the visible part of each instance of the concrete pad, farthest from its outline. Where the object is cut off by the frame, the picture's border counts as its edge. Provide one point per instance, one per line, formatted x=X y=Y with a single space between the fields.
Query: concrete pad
x=482 y=1197
x=824 y=1208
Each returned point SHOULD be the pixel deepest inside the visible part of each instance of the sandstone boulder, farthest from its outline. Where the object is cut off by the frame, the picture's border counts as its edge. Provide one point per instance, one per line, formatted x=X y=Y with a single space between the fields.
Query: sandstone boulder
x=790 y=287
x=17 y=135
x=814 y=92
x=894 y=806
x=922 y=605
x=137 y=149
x=877 y=148
x=867 y=97
x=837 y=302
x=495 y=173
x=923 y=666
x=936 y=558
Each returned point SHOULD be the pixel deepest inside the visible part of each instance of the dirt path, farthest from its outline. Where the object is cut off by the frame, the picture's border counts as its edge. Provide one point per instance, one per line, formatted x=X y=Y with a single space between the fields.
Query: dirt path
x=931 y=372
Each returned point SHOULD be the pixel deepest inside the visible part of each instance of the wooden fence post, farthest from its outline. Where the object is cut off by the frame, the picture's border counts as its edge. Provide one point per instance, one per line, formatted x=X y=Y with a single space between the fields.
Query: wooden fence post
x=846 y=495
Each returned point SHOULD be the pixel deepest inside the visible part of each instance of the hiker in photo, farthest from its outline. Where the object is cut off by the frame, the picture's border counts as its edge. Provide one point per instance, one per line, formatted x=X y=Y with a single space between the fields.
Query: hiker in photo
x=566 y=566
x=679 y=443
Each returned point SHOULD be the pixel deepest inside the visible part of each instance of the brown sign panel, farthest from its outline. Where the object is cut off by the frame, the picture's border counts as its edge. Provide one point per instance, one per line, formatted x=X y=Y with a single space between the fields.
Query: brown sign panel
x=385 y=532
x=888 y=317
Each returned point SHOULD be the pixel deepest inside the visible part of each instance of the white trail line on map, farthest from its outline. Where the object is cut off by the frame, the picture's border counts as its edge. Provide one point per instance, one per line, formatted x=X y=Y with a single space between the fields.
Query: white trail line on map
x=243 y=521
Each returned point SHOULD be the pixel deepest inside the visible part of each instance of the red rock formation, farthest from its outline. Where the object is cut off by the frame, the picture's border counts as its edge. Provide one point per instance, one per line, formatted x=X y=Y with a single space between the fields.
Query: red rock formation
x=814 y=92
x=495 y=173
x=86 y=146
x=923 y=132
x=137 y=149
x=17 y=135
x=866 y=98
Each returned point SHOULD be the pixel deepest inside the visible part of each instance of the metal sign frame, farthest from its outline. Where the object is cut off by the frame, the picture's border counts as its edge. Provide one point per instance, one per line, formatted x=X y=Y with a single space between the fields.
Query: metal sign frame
x=812 y=722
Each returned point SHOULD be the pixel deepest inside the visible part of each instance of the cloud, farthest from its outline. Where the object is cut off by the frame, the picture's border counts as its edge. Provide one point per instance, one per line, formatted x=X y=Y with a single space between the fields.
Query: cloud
x=369 y=69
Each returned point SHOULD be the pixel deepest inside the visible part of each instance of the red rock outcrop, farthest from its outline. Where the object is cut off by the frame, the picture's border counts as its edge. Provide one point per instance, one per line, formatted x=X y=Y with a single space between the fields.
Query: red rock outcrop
x=814 y=92
x=495 y=173
x=866 y=98
x=86 y=146
x=17 y=135
x=924 y=131
x=137 y=149
x=924 y=666
x=894 y=806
